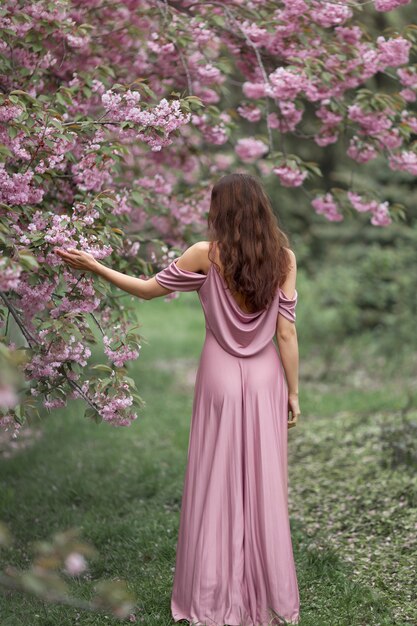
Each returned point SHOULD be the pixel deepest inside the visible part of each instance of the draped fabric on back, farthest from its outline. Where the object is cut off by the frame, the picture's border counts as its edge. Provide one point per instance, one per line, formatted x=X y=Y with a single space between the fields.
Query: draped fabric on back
x=238 y=332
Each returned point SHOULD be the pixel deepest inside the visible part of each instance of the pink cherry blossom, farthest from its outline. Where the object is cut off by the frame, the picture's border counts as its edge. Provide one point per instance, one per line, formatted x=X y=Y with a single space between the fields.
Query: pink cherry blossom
x=250 y=113
x=19 y=188
x=75 y=564
x=209 y=74
x=48 y=364
x=289 y=177
x=9 y=424
x=360 y=204
x=407 y=76
x=287 y=119
x=254 y=90
x=121 y=355
x=371 y=122
x=8 y=396
x=285 y=84
x=381 y=216
x=9 y=274
x=249 y=150
x=389 y=5
x=329 y=14
x=393 y=52
x=222 y=162
x=390 y=139
x=349 y=34
x=327 y=206
x=326 y=136
x=379 y=211
x=9 y=112
x=408 y=94
x=258 y=35
x=410 y=120
x=360 y=151
x=405 y=161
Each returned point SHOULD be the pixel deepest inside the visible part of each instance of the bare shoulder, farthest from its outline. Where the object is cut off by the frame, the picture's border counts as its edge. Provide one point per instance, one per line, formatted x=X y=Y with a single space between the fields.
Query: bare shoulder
x=292 y=257
x=202 y=251
x=202 y=246
x=195 y=258
x=288 y=286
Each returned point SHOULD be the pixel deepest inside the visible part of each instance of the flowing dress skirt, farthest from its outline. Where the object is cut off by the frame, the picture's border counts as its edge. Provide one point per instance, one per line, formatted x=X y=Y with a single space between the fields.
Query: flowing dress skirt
x=234 y=559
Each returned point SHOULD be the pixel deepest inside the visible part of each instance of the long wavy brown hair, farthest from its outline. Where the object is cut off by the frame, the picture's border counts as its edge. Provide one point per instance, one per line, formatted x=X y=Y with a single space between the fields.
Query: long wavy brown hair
x=250 y=241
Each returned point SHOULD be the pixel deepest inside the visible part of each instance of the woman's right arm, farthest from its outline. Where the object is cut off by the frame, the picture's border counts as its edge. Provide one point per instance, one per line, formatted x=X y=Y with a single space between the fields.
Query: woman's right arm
x=192 y=260
x=286 y=335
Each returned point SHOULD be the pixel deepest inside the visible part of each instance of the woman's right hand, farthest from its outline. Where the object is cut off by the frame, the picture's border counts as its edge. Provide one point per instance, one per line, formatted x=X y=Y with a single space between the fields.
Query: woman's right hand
x=293 y=410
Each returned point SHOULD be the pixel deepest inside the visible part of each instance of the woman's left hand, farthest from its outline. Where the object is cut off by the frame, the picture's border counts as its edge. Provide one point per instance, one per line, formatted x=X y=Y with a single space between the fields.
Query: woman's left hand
x=78 y=259
x=293 y=410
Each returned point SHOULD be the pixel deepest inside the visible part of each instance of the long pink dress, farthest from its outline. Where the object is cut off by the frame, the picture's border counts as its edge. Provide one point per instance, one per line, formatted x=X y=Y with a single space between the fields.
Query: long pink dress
x=234 y=559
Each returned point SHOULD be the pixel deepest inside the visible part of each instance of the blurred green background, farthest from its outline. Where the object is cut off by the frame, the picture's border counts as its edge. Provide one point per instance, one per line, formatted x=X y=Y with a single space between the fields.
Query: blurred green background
x=352 y=457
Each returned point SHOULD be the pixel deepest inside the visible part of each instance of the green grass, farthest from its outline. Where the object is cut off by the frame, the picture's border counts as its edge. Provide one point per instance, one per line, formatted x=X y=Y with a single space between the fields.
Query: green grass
x=123 y=488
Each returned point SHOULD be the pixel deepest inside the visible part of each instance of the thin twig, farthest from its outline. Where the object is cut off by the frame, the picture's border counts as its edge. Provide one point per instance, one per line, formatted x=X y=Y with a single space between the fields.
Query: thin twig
x=26 y=333
x=261 y=67
x=32 y=341
x=98 y=323
x=39 y=144
x=186 y=70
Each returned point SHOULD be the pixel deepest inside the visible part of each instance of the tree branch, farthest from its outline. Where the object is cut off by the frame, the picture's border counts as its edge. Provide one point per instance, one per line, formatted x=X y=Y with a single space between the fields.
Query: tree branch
x=33 y=341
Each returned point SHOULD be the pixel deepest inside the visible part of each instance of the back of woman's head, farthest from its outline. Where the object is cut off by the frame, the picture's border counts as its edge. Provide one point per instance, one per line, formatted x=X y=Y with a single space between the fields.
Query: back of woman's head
x=251 y=244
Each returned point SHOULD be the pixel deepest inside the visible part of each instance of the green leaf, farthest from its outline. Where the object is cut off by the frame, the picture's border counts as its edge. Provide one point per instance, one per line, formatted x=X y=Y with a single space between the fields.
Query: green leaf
x=102 y=367
x=92 y=414
x=28 y=261
x=5 y=150
x=25 y=94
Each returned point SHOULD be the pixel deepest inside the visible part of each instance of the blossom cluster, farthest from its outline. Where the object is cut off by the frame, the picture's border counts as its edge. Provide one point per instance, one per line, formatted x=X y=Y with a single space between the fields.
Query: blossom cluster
x=113 y=123
x=332 y=209
x=166 y=116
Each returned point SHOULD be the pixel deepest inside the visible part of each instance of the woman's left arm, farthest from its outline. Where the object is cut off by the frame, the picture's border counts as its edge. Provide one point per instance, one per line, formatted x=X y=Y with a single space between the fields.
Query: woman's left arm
x=145 y=289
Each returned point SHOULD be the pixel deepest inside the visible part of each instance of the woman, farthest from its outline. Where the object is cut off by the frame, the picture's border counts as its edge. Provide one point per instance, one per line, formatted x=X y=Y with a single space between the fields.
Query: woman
x=234 y=560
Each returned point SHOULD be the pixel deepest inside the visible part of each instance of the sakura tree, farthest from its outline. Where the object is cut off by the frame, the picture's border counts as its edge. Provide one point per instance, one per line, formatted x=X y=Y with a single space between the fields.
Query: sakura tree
x=115 y=117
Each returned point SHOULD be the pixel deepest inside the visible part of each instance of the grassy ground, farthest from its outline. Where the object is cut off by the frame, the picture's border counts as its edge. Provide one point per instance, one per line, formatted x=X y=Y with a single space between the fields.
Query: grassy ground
x=352 y=508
